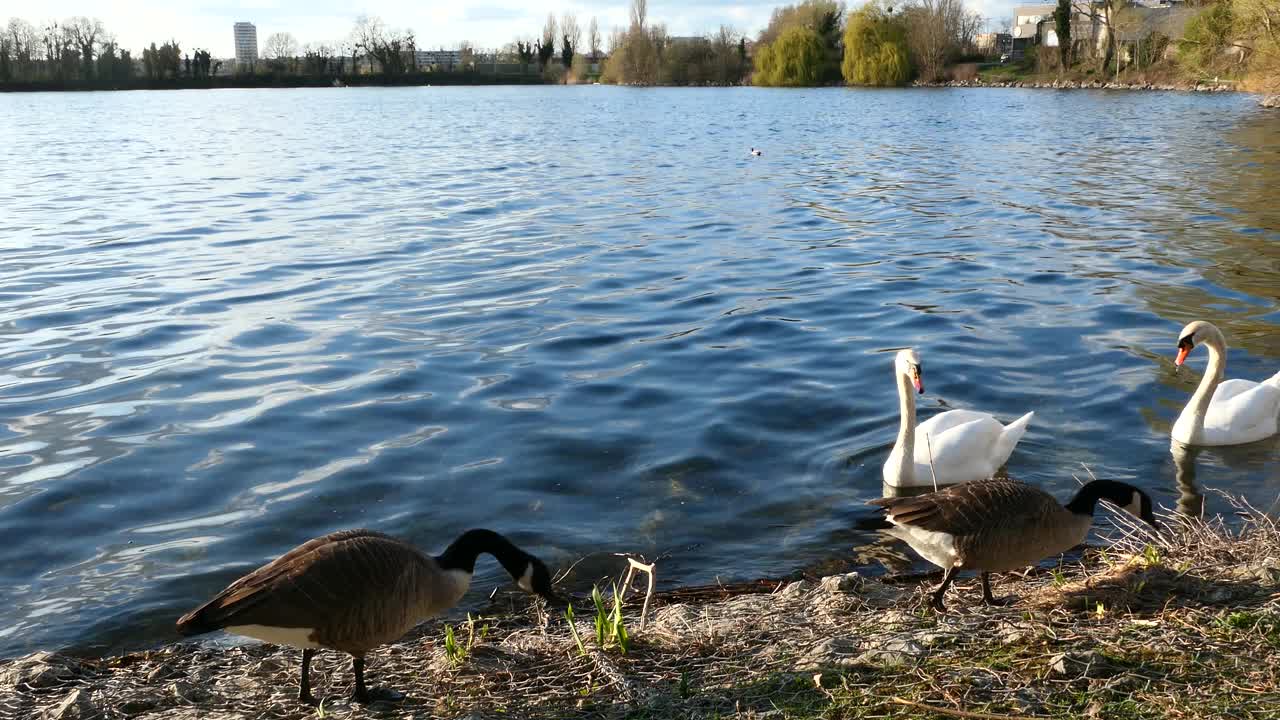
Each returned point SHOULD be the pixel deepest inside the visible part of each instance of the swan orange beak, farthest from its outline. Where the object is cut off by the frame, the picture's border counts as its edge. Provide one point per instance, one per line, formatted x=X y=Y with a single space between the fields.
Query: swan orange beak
x=915 y=379
x=1182 y=356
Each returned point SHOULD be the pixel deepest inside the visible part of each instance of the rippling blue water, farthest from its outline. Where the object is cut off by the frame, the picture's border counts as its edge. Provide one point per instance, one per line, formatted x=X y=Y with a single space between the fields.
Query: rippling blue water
x=234 y=320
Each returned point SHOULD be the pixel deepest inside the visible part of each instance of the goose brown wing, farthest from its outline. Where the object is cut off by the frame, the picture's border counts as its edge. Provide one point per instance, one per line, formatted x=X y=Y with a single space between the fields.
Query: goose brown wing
x=968 y=508
x=316 y=581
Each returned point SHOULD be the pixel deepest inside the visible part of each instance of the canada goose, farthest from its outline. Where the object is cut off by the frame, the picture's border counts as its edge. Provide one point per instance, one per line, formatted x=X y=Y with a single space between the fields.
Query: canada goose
x=964 y=445
x=756 y=152
x=1229 y=412
x=353 y=591
x=1000 y=525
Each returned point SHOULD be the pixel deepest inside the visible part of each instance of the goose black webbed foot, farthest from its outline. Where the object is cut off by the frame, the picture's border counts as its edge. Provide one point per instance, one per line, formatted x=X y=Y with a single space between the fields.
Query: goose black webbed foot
x=378 y=694
x=364 y=695
x=989 y=599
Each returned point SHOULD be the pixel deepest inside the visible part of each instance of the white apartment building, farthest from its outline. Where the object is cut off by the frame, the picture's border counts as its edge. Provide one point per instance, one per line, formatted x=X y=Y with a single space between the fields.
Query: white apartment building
x=246 y=44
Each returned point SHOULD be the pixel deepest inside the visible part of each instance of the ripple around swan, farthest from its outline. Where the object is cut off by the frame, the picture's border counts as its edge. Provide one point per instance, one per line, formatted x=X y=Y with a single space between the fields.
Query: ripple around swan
x=620 y=334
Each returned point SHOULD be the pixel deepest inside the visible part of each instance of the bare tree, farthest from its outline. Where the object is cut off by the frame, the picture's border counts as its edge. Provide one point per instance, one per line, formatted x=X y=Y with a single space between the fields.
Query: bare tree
x=280 y=48
x=593 y=39
x=937 y=32
x=570 y=29
x=386 y=47
x=85 y=33
x=1101 y=16
x=24 y=42
x=727 y=63
x=60 y=55
x=547 y=45
x=366 y=37
x=549 y=31
x=639 y=13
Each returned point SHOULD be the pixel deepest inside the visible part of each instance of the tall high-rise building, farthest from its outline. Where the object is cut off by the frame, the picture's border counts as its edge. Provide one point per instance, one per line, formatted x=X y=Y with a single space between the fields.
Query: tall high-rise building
x=246 y=44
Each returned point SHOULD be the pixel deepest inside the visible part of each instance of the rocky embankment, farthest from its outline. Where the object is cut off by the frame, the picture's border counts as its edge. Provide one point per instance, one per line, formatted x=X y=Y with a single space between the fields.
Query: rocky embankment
x=1079 y=85
x=1186 y=625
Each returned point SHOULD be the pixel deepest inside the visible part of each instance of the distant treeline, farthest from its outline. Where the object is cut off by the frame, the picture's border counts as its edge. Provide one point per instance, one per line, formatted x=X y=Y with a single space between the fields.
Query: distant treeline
x=80 y=54
x=812 y=42
x=278 y=81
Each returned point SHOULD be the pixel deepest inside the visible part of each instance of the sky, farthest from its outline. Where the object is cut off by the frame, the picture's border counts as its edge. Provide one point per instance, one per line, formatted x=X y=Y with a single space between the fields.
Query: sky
x=436 y=24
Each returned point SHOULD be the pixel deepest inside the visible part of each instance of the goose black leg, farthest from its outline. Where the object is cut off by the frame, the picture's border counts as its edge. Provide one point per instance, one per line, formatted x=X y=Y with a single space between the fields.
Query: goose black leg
x=947 y=577
x=304 y=686
x=987 y=597
x=365 y=696
x=357 y=667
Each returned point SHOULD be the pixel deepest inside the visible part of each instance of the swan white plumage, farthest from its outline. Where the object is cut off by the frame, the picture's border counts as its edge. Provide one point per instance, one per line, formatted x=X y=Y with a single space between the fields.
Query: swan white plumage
x=1224 y=412
x=964 y=445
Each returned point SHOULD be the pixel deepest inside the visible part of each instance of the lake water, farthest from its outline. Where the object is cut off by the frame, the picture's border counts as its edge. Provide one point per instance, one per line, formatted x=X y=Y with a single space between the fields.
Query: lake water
x=234 y=320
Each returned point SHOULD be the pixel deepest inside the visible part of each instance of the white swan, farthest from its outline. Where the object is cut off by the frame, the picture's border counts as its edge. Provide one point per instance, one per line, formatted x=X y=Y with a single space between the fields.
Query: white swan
x=1221 y=412
x=965 y=445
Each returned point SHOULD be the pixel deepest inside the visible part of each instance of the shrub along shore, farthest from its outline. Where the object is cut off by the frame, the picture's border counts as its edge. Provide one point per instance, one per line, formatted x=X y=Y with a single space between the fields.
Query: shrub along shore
x=1181 y=625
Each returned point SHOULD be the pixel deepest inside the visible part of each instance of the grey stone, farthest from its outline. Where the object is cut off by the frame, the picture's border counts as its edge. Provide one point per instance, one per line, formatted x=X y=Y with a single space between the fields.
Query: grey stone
x=798 y=587
x=833 y=652
x=78 y=705
x=1270 y=101
x=39 y=670
x=1218 y=595
x=892 y=653
x=872 y=592
x=1014 y=635
x=1078 y=664
x=848 y=583
x=929 y=638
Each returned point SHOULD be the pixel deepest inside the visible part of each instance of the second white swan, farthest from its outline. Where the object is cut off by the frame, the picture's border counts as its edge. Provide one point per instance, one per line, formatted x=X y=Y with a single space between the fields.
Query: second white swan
x=1224 y=412
x=964 y=445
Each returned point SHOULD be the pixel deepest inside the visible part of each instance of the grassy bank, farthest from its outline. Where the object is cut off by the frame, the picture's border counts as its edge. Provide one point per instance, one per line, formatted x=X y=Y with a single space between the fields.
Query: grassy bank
x=1186 y=625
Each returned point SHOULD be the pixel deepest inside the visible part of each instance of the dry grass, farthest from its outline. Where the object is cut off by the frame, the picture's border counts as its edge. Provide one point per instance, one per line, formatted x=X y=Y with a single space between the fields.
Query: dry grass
x=1183 y=625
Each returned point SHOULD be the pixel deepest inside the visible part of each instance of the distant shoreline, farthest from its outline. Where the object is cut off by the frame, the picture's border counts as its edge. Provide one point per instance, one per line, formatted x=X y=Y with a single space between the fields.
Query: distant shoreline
x=1084 y=85
x=480 y=79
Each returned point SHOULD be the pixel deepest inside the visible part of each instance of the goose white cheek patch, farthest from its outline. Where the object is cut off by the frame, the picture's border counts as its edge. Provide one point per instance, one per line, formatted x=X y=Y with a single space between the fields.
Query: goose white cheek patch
x=1134 y=507
x=526 y=580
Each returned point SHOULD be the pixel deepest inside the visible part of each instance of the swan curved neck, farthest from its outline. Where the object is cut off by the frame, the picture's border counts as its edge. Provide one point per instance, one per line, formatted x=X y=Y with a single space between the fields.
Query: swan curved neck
x=906 y=426
x=1198 y=406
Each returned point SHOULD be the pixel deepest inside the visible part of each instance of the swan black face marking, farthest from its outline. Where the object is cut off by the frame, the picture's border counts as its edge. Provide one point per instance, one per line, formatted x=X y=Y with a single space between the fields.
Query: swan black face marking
x=1184 y=348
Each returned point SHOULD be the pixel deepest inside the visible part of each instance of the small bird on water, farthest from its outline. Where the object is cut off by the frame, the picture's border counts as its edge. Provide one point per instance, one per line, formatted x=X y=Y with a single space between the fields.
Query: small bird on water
x=1000 y=525
x=756 y=152
x=353 y=591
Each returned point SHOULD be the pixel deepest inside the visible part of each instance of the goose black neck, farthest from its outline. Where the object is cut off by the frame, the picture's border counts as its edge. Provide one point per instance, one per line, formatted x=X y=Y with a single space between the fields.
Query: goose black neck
x=1086 y=499
x=462 y=553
